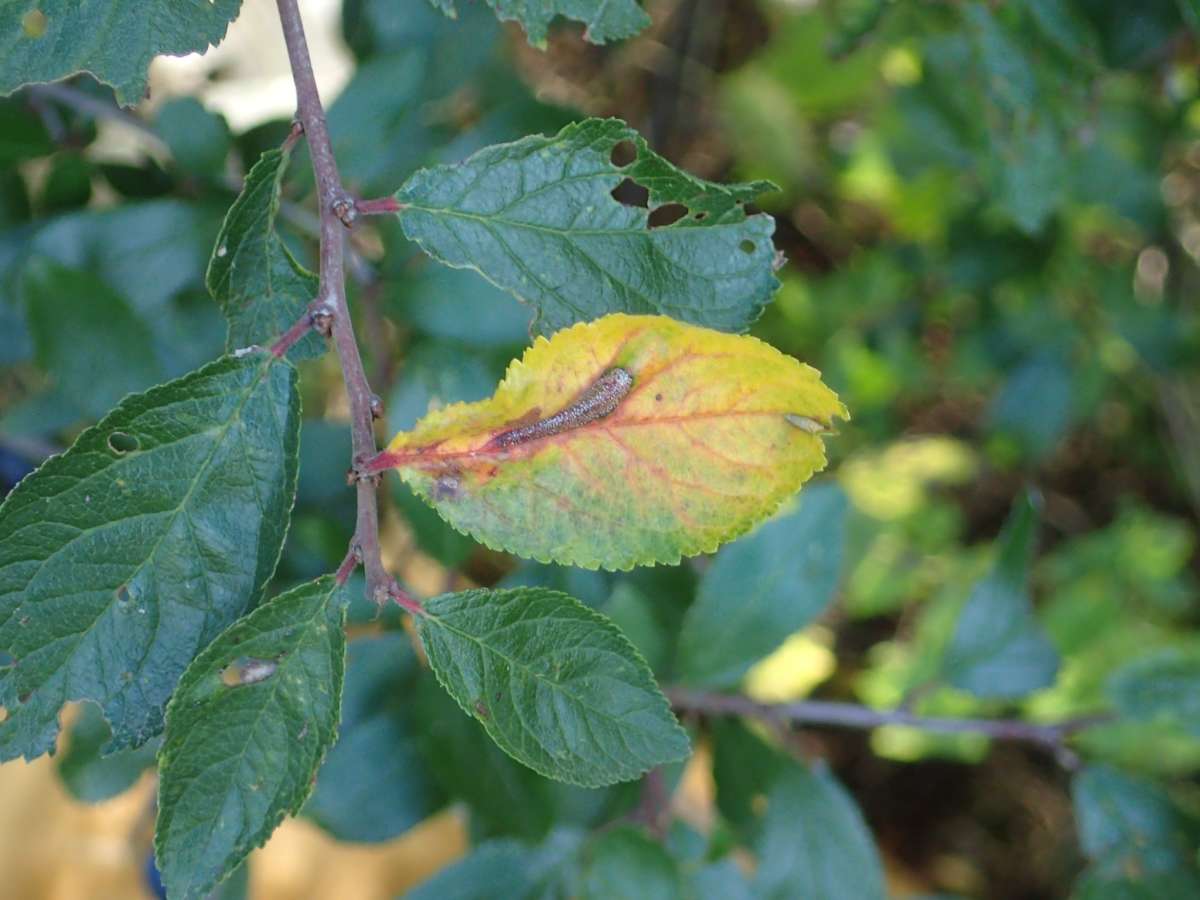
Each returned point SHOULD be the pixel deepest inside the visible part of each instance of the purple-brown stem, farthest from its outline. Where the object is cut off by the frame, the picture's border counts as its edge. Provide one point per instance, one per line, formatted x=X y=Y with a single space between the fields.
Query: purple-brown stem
x=1052 y=736
x=378 y=207
x=334 y=202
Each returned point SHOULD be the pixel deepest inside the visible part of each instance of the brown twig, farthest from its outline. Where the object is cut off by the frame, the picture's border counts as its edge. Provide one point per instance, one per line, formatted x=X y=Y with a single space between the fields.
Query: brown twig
x=336 y=207
x=1052 y=736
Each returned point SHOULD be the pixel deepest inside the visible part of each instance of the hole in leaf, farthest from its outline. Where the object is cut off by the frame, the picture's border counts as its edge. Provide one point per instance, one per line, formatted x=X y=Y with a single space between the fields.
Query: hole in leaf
x=746 y=247
x=247 y=670
x=667 y=214
x=630 y=193
x=123 y=594
x=24 y=698
x=33 y=23
x=3 y=714
x=623 y=153
x=119 y=442
x=701 y=216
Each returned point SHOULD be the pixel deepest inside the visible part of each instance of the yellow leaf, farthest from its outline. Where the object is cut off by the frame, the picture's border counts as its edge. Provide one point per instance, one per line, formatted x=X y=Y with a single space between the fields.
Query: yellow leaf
x=625 y=441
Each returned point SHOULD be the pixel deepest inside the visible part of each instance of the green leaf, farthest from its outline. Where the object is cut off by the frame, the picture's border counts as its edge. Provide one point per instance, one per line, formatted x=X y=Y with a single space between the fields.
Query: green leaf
x=199 y=140
x=744 y=769
x=814 y=842
x=625 y=864
x=124 y=556
x=763 y=588
x=375 y=784
x=93 y=345
x=252 y=275
x=114 y=41
x=246 y=730
x=90 y=775
x=496 y=870
x=721 y=880
x=998 y=649
x=504 y=797
x=536 y=217
x=1139 y=844
x=508 y=870
x=1162 y=687
x=606 y=20
x=555 y=684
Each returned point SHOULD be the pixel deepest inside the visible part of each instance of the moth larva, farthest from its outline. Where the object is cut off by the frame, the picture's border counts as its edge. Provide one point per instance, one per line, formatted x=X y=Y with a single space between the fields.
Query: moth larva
x=600 y=399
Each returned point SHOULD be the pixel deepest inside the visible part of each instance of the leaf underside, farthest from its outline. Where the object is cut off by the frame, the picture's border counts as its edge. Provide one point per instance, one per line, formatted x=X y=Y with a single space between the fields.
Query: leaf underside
x=124 y=556
x=537 y=218
x=712 y=433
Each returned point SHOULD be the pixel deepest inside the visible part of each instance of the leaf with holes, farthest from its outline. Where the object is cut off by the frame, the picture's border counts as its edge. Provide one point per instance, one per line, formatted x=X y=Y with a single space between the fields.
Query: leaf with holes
x=606 y=20
x=556 y=685
x=252 y=275
x=537 y=218
x=622 y=442
x=246 y=730
x=123 y=557
x=114 y=40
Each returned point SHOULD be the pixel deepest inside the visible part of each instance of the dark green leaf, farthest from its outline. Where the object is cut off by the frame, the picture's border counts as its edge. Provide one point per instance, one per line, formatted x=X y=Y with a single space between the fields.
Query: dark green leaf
x=126 y=555
x=998 y=649
x=114 y=41
x=505 y=797
x=814 y=842
x=95 y=348
x=375 y=784
x=555 y=684
x=91 y=776
x=606 y=20
x=762 y=588
x=22 y=134
x=634 y=614
x=252 y=275
x=458 y=305
x=625 y=864
x=1035 y=403
x=536 y=217
x=246 y=730
x=1162 y=687
x=199 y=140
x=744 y=769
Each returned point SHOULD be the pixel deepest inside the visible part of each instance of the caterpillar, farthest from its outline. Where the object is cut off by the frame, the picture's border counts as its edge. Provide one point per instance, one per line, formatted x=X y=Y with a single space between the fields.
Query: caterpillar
x=598 y=401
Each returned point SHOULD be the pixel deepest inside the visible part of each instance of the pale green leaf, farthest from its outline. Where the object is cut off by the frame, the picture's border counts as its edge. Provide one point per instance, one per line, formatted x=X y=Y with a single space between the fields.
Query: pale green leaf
x=246 y=730
x=554 y=683
x=123 y=557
